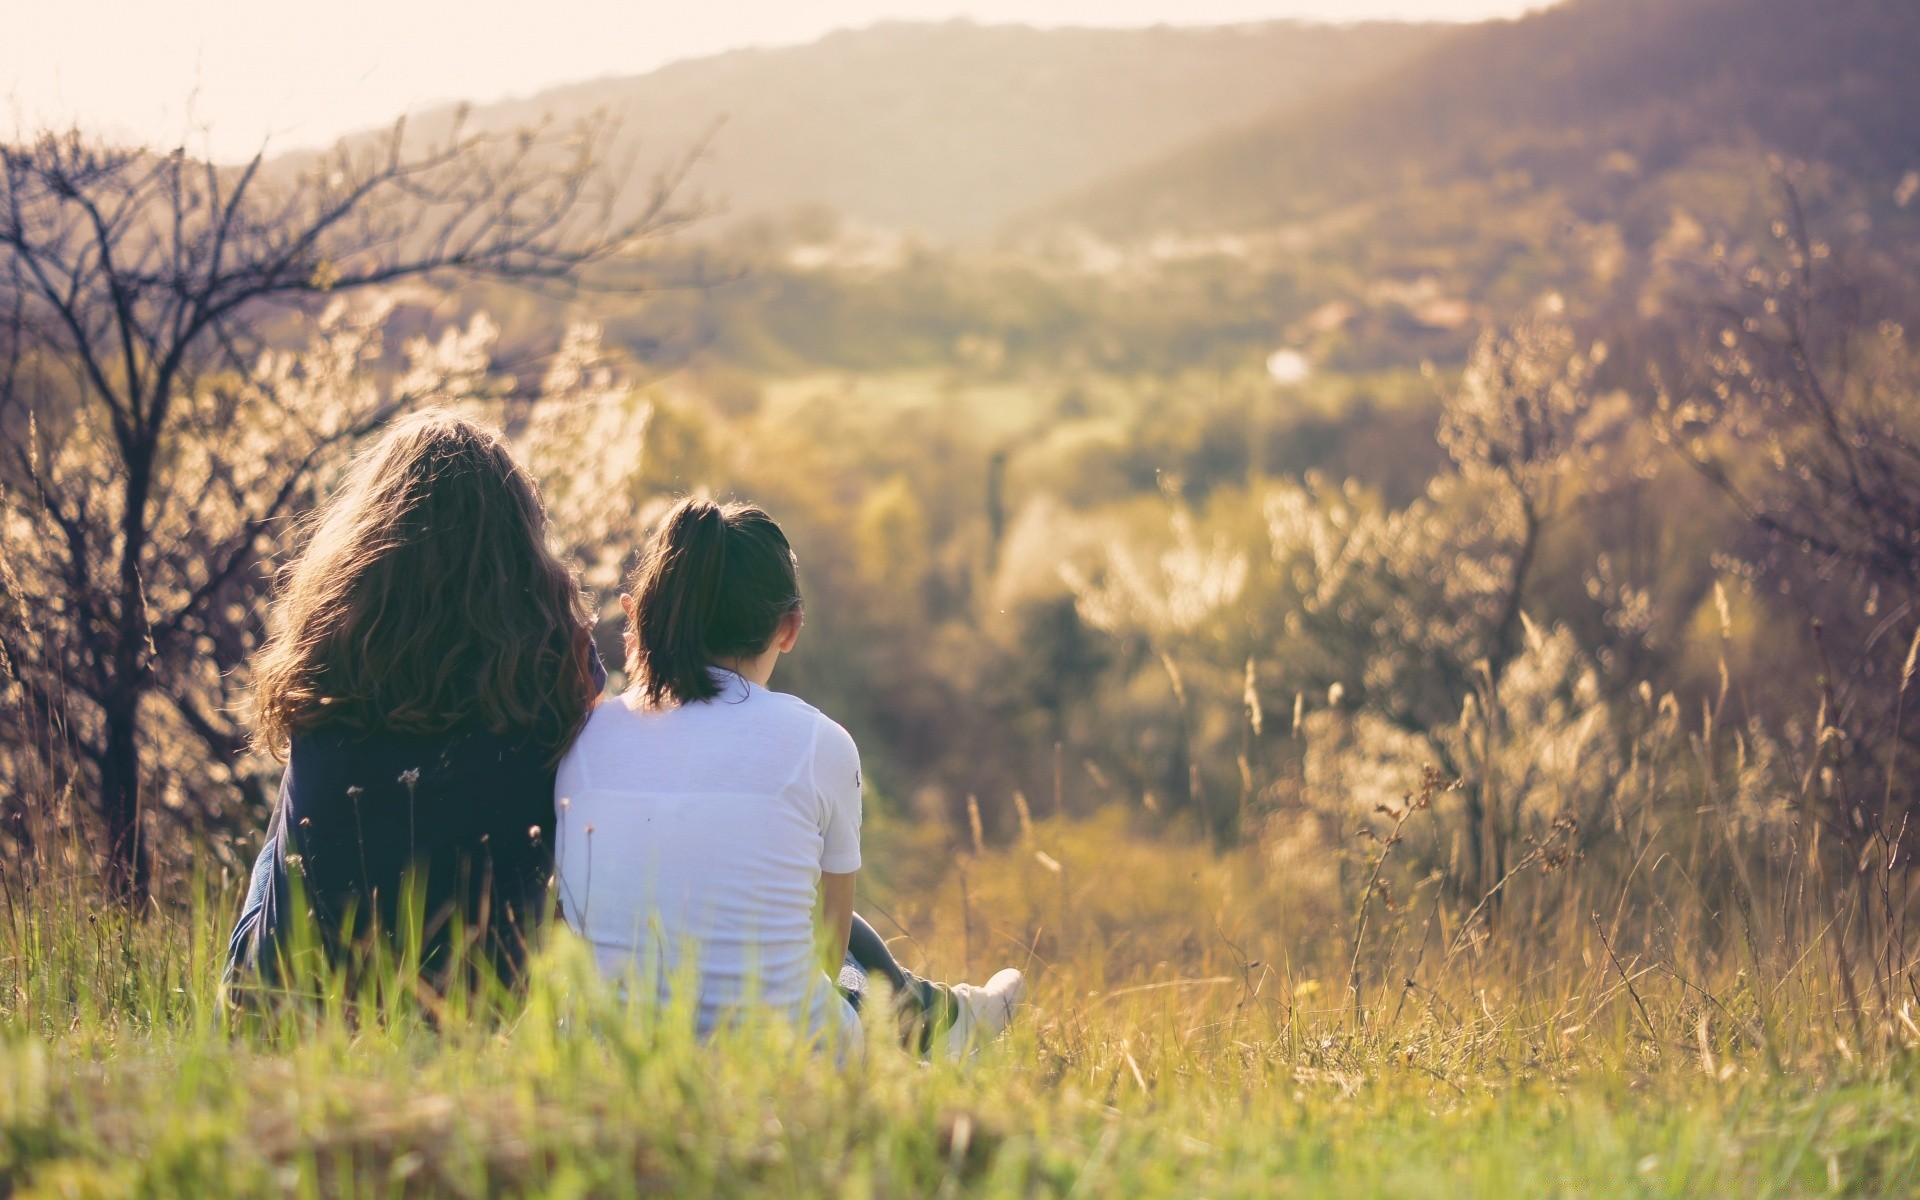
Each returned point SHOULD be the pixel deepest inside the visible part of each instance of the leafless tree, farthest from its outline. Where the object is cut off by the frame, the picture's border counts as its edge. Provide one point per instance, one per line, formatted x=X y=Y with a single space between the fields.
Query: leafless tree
x=155 y=434
x=1800 y=402
x=1523 y=418
x=1800 y=405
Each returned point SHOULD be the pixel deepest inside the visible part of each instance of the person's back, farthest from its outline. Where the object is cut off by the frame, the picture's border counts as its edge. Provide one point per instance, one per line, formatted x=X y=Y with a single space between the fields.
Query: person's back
x=692 y=837
x=702 y=818
x=449 y=832
x=429 y=661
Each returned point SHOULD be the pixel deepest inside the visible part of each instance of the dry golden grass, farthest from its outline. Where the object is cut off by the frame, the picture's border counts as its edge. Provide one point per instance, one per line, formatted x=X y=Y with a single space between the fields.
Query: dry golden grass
x=1191 y=1032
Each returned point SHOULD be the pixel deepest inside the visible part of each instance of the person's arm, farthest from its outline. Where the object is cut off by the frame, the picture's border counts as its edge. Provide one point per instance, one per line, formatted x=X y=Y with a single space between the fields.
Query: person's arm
x=836 y=917
x=836 y=779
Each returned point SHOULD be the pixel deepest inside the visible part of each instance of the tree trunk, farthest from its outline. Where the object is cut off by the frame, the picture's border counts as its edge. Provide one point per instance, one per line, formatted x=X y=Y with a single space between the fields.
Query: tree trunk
x=1490 y=830
x=128 y=871
x=128 y=864
x=1476 y=810
x=1505 y=646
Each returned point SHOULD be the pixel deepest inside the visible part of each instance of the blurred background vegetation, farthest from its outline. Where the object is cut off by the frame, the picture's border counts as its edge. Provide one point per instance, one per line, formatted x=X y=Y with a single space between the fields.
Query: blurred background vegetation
x=1219 y=427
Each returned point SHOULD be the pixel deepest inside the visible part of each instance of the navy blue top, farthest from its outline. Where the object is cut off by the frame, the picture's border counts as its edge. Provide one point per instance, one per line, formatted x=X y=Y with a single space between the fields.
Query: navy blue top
x=460 y=824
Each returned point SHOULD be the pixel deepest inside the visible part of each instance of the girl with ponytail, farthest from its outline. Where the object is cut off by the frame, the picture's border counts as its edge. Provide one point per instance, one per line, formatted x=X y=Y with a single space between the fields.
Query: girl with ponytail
x=702 y=818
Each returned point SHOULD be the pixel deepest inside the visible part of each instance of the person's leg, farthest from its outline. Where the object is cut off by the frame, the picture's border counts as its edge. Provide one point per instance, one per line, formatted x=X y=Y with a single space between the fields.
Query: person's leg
x=922 y=1007
x=867 y=954
x=866 y=947
x=957 y=1019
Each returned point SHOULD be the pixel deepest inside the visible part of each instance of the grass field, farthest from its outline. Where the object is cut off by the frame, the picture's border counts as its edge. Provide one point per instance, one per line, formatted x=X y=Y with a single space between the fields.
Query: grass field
x=1192 y=1032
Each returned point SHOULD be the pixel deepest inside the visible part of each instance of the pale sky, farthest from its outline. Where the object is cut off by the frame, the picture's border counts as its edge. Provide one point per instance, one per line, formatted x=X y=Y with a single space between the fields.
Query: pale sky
x=239 y=72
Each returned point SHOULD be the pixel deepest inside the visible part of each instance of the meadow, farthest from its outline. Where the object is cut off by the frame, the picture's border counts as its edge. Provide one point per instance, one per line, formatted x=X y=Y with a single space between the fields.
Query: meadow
x=1194 y=1028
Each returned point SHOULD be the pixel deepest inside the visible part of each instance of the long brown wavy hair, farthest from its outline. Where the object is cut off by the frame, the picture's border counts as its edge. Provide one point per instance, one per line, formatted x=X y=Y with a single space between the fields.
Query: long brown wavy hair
x=426 y=601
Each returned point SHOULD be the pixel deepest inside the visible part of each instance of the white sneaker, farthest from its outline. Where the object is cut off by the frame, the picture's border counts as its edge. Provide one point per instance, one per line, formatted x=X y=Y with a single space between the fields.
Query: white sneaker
x=982 y=1012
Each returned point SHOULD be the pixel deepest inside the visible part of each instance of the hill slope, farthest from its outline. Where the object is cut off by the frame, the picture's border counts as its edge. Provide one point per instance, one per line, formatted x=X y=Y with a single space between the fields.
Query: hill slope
x=1561 y=93
x=948 y=129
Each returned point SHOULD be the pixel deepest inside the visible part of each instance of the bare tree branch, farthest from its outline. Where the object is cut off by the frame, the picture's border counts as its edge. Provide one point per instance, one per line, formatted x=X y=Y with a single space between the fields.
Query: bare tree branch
x=156 y=445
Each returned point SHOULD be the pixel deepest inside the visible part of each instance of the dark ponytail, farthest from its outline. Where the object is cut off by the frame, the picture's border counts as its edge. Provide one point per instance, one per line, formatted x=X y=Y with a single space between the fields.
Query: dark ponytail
x=715 y=582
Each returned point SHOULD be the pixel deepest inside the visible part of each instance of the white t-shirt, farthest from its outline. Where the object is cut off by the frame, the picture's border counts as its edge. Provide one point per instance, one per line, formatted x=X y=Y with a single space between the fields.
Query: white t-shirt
x=705 y=828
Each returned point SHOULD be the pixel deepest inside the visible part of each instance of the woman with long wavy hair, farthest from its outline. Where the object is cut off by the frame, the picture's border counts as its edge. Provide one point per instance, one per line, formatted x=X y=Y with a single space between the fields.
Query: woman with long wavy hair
x=429 y=661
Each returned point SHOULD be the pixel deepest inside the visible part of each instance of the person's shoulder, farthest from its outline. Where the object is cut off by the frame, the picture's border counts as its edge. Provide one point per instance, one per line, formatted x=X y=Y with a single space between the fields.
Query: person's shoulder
x=625 y=709
x=831 y=730
x=831 y=741
x=612 y=724
x=793 y=706
x=611 y=715
x=785 y=702
x=836 y=759
x=328 y=749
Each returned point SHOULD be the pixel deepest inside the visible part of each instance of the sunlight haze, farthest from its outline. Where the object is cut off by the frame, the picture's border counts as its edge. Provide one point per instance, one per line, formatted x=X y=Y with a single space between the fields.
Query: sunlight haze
x=1360 y=565
x=229 y=77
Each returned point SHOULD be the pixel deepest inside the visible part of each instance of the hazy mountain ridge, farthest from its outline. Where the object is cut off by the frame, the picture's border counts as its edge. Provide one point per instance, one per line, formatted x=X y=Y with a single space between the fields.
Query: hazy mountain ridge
x=949 y=129
x=1569 y=94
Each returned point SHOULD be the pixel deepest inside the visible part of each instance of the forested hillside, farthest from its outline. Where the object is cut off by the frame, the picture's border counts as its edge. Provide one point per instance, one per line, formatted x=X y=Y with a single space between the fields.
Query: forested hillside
x=946 y=130
x=1578 y=96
